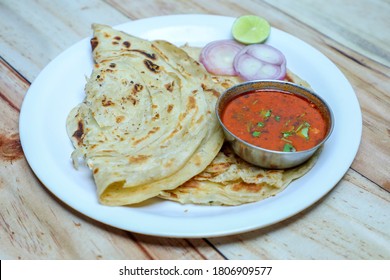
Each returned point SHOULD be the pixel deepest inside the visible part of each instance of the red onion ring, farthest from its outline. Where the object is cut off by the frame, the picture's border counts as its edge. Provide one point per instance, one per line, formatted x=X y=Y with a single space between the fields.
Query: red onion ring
x=218 y=56
x=260 y=61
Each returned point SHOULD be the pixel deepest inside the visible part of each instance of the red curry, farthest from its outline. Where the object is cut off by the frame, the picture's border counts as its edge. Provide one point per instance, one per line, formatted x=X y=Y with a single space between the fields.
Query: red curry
x=275 y=120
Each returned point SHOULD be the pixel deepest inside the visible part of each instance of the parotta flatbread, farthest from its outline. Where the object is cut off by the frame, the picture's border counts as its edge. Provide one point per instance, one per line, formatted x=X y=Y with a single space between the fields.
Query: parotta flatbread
x=229 y=180
x=147 y=123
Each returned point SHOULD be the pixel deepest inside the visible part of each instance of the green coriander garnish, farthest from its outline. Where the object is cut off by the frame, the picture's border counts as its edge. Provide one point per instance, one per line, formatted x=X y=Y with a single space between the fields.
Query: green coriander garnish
x=303 y=129
x=266 y=113
x=287 y=133
x=288 y=148
x=256 y=133
x=305 y=132
x=260 y=124
x=299 y=127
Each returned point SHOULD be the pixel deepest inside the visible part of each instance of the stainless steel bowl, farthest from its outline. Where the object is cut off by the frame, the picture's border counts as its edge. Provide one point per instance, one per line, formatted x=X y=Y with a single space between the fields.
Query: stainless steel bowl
x=264 y=157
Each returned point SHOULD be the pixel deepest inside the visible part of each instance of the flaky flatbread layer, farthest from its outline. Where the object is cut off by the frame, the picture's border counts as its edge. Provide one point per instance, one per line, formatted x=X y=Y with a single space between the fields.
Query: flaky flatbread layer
x=147 y=123
x=229 y=180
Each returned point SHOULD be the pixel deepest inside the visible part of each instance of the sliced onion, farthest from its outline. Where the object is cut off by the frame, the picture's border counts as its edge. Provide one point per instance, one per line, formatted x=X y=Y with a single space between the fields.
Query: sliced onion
x=217 y=56
x=260 y=61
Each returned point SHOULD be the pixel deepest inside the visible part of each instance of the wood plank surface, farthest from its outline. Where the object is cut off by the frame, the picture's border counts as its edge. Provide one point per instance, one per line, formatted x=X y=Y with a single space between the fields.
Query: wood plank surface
x=35 y=32
x=335 y=18
x=351 y=222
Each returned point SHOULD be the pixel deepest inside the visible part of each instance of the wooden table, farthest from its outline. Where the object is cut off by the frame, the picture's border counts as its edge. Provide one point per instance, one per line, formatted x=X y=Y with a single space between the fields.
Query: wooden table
x=351 y=222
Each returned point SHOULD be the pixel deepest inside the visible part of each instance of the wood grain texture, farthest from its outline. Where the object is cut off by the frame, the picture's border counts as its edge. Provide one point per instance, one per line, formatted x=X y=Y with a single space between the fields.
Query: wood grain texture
x=351 y=222
x=335 y=18
x=35 y=32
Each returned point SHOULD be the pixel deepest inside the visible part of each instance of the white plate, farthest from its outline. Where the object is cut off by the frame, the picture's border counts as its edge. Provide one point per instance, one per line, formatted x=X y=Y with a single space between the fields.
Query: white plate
x=59 y=88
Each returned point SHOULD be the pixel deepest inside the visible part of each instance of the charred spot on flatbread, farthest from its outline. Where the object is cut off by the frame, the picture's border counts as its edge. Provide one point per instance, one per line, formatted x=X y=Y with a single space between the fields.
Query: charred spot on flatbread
x=94 y=43
x=79 y=133
x=151 y=56
x=152 y=66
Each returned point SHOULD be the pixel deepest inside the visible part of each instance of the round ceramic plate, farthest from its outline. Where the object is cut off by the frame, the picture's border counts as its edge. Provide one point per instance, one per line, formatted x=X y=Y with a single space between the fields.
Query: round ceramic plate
x=59 y=88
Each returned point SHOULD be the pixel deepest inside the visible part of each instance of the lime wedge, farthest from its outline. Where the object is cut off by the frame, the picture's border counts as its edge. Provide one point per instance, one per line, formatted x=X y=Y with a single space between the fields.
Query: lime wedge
x=250 y=29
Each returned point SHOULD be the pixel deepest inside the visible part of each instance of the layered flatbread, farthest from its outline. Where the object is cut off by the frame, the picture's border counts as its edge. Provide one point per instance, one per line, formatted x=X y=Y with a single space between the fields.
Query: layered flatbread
x=229 y=180
x=147 y=123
